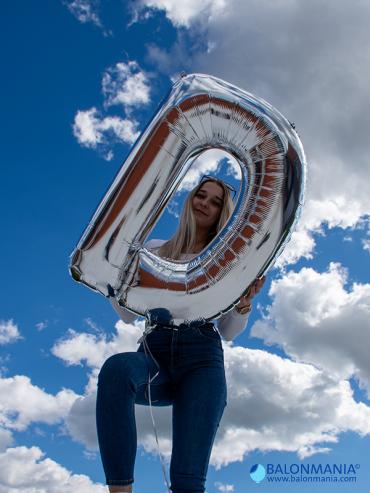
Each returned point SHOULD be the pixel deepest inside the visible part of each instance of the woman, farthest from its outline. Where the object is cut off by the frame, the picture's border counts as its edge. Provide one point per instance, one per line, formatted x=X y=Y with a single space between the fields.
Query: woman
x=191 y=376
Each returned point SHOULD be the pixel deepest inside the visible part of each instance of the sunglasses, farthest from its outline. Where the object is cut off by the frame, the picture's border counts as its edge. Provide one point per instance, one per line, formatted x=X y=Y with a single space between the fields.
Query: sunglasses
x=213 y=178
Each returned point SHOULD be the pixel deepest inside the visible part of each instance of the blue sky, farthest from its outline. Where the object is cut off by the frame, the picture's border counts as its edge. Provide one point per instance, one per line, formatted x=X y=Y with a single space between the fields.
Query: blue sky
x=80 y=82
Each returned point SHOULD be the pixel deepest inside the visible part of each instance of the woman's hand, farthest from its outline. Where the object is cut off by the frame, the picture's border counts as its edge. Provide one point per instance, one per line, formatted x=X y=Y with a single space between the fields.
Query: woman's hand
x=244 y=305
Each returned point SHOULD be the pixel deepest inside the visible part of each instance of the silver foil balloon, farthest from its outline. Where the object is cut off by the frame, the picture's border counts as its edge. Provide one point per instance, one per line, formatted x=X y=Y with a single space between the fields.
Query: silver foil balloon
x=200 y=112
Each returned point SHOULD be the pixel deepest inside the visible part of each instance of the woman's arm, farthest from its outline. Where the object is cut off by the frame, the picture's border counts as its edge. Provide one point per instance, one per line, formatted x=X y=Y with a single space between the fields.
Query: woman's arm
x=232 y=324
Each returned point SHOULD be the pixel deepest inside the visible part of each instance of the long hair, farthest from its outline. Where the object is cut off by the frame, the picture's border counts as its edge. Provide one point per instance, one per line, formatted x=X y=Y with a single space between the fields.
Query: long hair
x=183 y=241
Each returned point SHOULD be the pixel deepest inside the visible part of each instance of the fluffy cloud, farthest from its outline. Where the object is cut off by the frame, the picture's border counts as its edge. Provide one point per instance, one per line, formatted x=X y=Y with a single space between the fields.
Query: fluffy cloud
x=224 y=488
x=6 y=439
x=316 y=319
x=40 y=406
x=366 y=241
x=331 y=212
x=125 y=84
x=42 y=325
x=22 y=403
x=306 y=61
x=8 y=332
x=91 y=130
x=273 y=403
x=366 y=245
x=183 y=13
x=278 y=404
x=84 y=10
x=25 y=470
x=76 y=348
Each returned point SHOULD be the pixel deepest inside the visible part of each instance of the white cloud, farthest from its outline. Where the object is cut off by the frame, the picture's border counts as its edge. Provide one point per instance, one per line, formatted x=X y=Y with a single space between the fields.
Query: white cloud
x=9 y=332
x=278 y=404
x=93 y=326
x=224 y=488
x=125 y=84
x=316 y=319
x=273 y=403
x=81 y=420
x=86 y=128
x=26 y=470
x=22 y=403
x=366 y=245
x=91 y=130
x=366 y=241
x=6 y=439
x=301 y=244
x=42 y=325
x=331 y=212
x=4 y=359
x=76 y=348
x=84 y=10
x=183 y=13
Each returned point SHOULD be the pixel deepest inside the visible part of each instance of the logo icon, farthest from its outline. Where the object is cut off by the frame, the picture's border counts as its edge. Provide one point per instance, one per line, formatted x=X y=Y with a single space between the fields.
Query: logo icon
x=257 y=473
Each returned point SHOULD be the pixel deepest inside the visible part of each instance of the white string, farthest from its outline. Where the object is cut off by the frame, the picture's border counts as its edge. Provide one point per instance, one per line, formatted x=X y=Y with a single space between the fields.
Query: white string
x=142 y=339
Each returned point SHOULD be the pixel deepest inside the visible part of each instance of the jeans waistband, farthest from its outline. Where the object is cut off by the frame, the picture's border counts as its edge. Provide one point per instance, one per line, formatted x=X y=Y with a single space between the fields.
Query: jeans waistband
x=190 y=325
x=163 y=318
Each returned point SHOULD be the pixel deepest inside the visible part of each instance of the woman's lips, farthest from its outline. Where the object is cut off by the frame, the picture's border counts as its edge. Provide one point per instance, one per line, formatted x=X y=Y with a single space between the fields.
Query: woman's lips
x=204 y=214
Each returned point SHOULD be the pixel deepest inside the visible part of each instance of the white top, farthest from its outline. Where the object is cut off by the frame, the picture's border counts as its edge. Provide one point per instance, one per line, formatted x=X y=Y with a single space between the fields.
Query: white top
x=229 y=325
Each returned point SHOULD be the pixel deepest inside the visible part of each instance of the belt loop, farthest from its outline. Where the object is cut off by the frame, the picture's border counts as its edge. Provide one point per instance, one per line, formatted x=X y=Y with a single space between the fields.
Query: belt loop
x=173 y=343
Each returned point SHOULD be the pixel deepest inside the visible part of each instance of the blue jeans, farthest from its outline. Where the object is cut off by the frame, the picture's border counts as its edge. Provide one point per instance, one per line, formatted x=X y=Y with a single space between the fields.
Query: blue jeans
x=191 y=379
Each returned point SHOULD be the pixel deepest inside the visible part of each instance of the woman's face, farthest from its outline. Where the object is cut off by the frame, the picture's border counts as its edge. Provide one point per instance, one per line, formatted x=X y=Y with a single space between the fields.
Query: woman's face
x=207 y=204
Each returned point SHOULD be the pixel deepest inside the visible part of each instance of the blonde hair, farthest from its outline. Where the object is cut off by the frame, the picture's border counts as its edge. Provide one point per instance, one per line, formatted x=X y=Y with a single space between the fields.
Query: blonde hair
x=183 y=241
